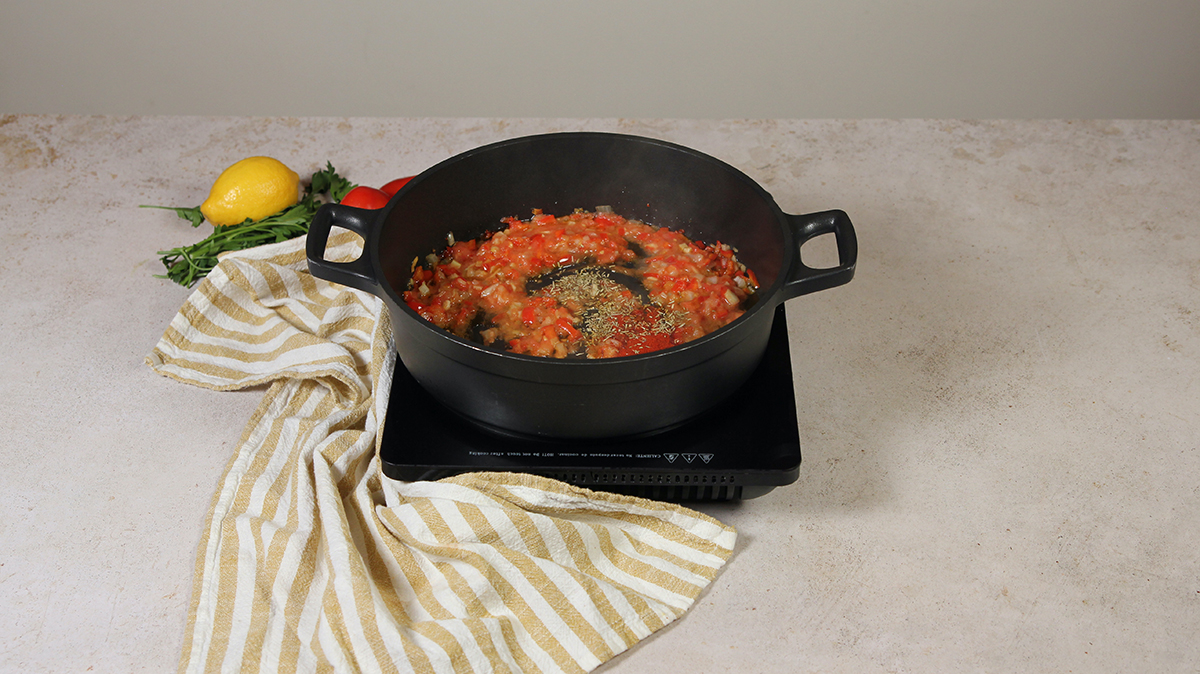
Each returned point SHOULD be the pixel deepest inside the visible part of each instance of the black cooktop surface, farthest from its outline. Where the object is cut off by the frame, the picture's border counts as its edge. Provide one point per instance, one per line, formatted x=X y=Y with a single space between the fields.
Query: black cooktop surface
x=742 y=448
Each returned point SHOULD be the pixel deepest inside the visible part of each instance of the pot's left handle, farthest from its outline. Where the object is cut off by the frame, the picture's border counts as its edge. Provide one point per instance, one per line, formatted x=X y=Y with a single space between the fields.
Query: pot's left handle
x=802 y=279
x=358 y=272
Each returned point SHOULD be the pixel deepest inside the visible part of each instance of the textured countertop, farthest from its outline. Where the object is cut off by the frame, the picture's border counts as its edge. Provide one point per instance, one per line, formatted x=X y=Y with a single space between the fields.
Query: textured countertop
x=1000 y=414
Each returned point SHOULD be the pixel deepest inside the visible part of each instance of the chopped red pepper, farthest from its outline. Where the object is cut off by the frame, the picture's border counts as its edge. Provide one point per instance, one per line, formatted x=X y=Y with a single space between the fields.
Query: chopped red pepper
x=689 y=285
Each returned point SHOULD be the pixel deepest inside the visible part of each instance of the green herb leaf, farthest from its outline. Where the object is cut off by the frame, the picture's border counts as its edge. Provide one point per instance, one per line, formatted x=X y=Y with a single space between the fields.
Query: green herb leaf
x=328 y=181
x=192 y=215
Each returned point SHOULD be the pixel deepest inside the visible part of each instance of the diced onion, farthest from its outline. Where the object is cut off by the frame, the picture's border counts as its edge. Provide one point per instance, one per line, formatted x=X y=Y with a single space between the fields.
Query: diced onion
x=478 y=289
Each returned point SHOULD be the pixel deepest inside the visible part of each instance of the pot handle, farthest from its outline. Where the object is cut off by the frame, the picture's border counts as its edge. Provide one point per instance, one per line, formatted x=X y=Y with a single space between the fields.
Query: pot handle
x=802 y=279
x=358 y=272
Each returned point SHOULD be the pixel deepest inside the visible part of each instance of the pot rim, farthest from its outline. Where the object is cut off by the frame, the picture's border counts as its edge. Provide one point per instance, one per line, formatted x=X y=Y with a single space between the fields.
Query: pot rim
x=768 y=298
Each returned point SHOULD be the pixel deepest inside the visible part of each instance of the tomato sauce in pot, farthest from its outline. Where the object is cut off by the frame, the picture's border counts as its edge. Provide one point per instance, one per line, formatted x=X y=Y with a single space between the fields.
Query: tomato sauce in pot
x=585 y=285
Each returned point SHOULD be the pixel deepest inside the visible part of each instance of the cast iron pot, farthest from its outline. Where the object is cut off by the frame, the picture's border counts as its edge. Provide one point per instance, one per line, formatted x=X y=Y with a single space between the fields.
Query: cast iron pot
x=660 y=183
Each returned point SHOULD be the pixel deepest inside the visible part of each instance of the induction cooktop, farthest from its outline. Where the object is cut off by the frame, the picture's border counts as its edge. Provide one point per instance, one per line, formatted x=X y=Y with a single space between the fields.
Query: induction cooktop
x=741 y=449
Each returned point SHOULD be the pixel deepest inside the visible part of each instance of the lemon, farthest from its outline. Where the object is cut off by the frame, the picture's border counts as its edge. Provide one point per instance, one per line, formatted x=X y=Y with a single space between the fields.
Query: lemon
x=253 y=188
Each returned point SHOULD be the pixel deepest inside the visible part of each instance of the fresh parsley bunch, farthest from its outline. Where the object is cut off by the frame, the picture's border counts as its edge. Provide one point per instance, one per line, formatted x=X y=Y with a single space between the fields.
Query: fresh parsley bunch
x=188 y=264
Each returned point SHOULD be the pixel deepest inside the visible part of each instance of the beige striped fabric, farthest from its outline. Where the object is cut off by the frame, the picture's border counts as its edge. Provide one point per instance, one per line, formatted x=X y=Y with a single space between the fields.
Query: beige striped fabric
x=312 y=560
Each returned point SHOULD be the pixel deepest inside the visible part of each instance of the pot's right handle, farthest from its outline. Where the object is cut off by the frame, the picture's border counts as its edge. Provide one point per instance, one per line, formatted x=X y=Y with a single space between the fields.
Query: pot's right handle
x=802 y=279
x=358 y=272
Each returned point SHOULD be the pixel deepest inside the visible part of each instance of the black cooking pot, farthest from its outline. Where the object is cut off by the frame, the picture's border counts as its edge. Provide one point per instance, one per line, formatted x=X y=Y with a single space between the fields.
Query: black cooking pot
x=659 y=183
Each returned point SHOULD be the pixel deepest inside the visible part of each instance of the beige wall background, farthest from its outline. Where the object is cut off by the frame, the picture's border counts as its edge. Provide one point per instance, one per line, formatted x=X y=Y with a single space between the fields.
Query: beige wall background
x=575 y=58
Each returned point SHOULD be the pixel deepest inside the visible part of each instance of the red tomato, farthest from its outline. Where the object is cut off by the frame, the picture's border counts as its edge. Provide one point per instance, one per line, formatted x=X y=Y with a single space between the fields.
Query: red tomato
x=365 y=197
x=393 y=187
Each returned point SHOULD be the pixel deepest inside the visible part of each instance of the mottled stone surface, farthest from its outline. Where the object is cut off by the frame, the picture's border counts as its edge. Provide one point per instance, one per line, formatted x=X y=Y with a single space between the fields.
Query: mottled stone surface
x=1000 y=414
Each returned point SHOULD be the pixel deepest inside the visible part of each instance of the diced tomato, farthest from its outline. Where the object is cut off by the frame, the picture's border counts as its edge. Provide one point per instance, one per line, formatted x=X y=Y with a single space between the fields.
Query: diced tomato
x=569 y=330
x=691 y=281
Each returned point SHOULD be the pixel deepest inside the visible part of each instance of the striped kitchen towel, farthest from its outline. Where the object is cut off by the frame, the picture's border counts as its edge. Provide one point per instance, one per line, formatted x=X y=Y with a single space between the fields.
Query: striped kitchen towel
x=312 y=560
